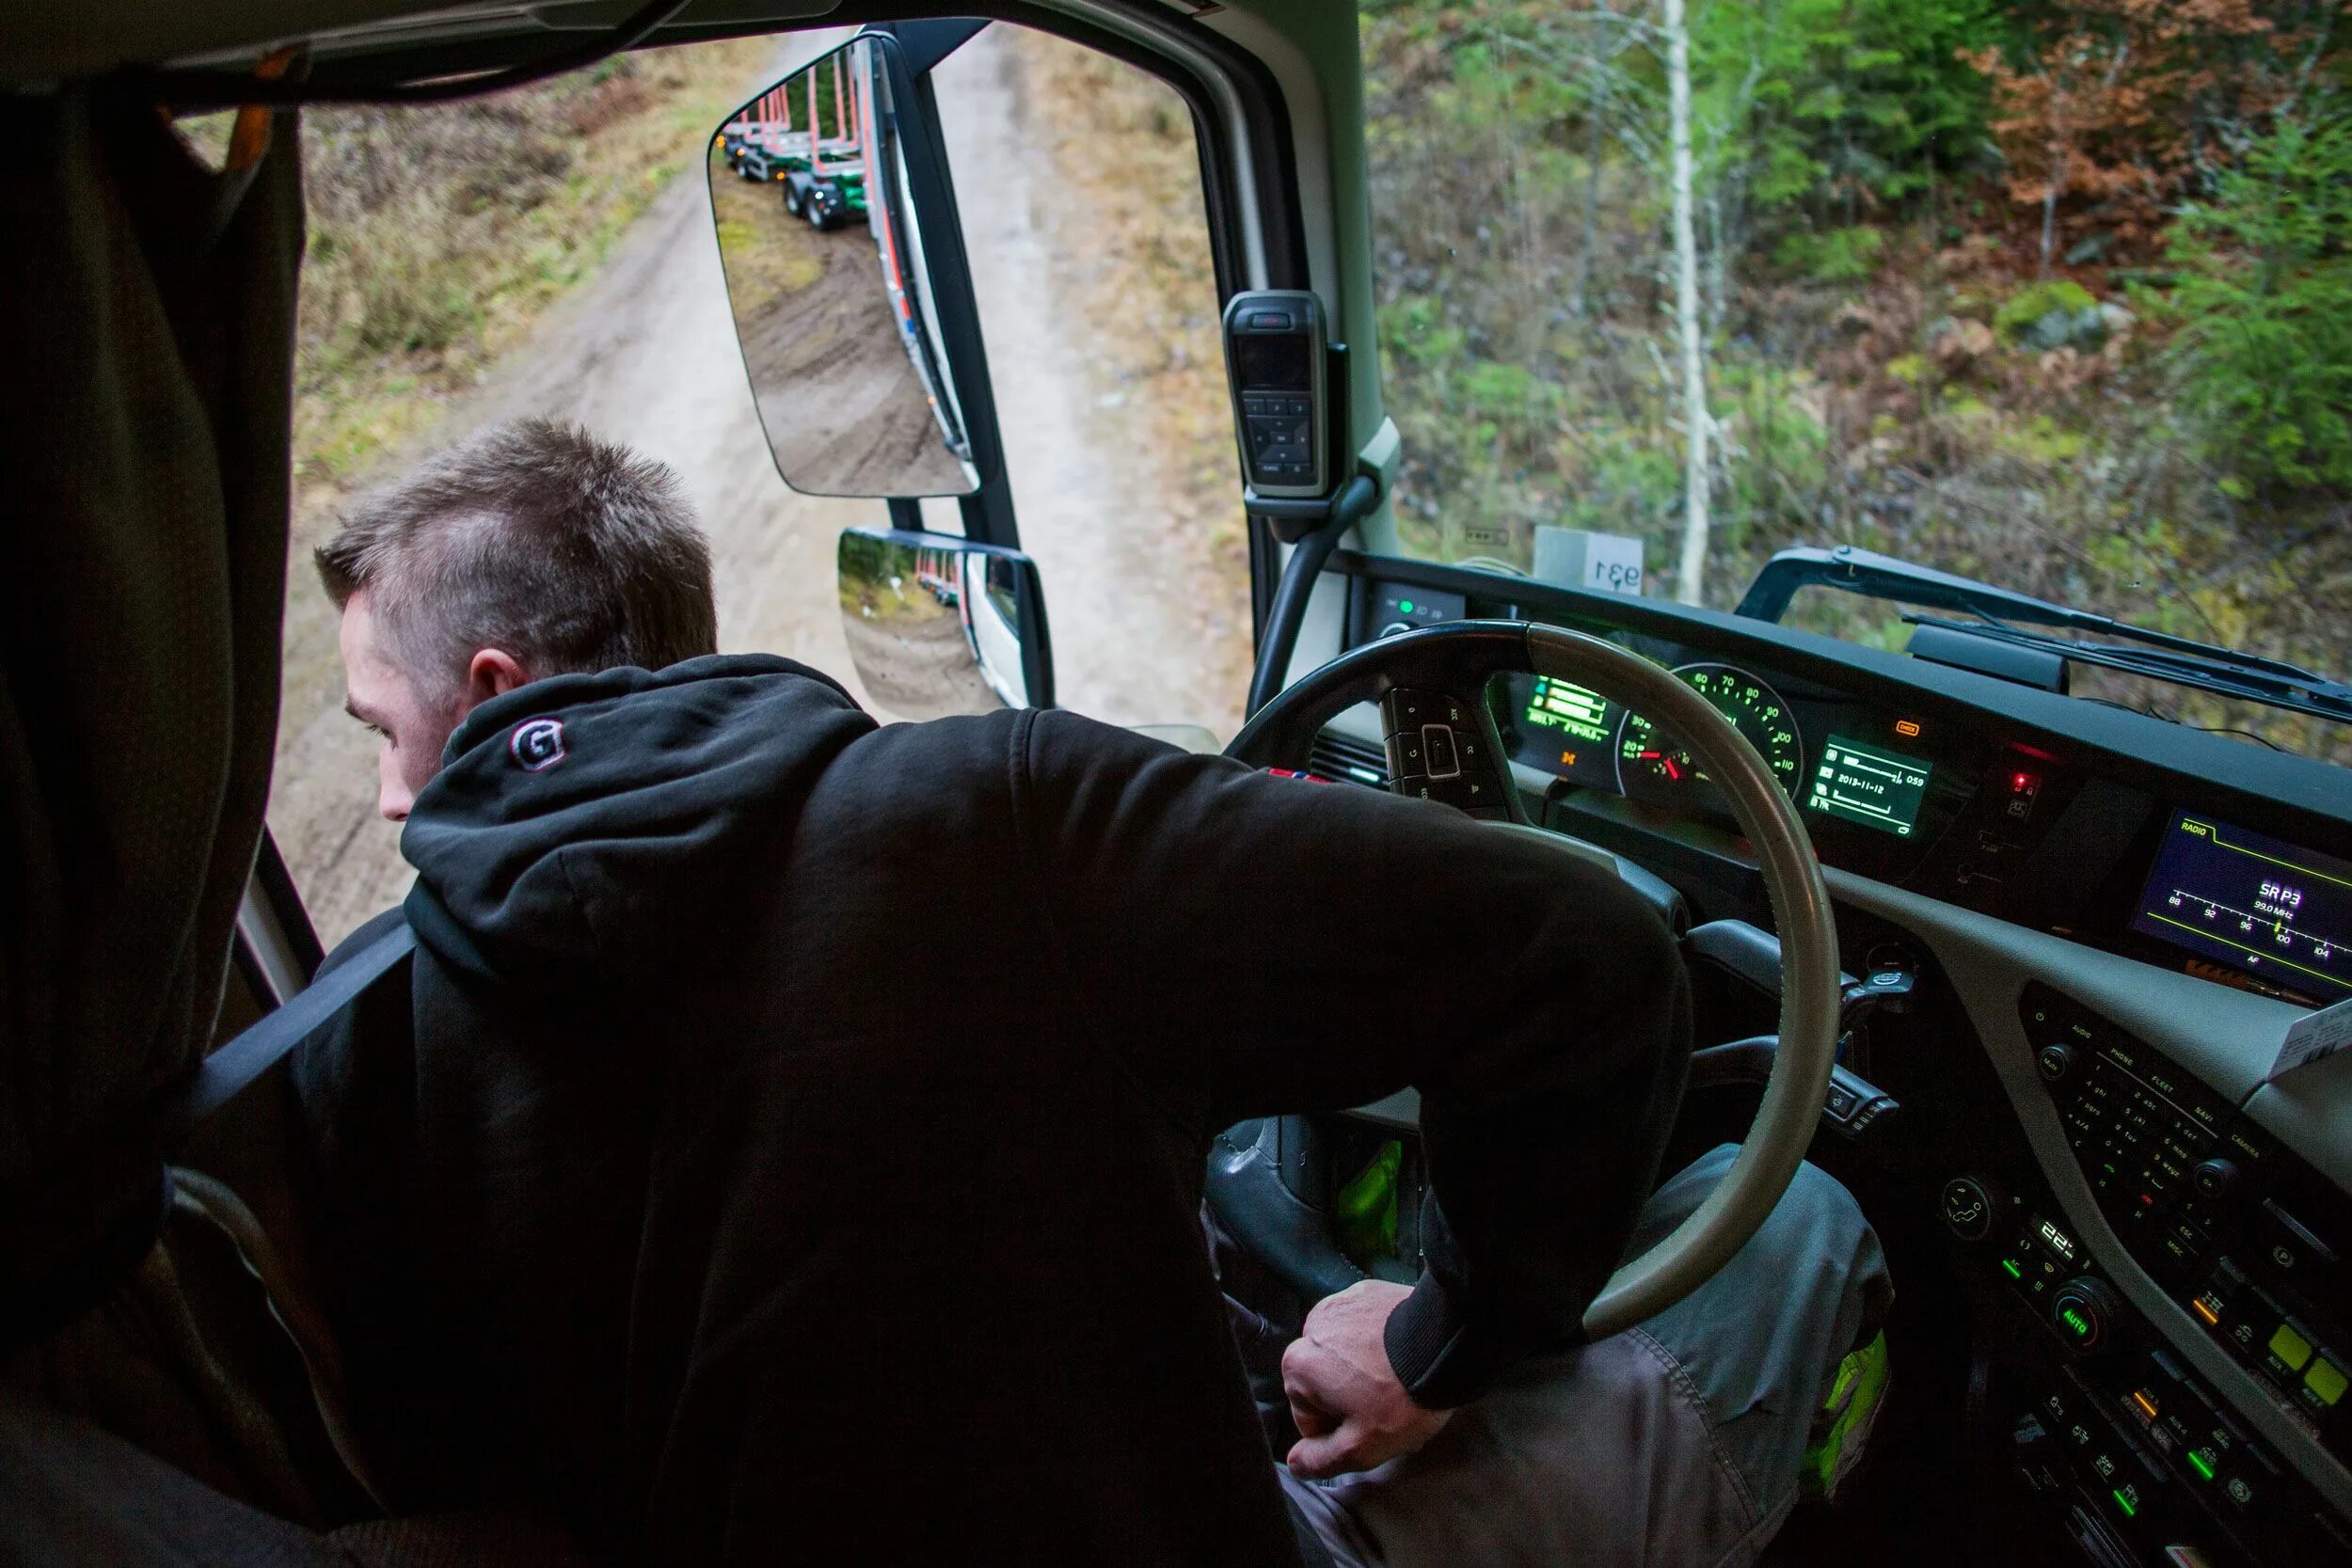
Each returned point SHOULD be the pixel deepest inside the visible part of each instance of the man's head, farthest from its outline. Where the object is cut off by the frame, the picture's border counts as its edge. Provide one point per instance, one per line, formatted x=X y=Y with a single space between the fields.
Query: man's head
x=531 y=550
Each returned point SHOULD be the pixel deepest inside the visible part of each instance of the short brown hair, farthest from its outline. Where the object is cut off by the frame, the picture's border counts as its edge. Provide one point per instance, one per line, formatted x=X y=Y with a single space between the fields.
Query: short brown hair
x=537 y=539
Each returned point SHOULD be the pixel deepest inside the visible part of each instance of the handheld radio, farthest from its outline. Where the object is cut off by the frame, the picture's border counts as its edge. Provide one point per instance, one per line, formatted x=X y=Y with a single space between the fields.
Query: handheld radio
x=1274 y=359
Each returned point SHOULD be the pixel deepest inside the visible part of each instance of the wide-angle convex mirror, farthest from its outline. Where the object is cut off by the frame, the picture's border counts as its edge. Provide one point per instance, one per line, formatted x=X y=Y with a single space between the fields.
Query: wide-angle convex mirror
x=938 y=626
x=822 y=243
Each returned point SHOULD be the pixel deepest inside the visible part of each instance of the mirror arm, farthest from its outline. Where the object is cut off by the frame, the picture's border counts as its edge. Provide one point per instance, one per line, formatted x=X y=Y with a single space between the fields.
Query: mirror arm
x=988 y=516
x=1354 y=503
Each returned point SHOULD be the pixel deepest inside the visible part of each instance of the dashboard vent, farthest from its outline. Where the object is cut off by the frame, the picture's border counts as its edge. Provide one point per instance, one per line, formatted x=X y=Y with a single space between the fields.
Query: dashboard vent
x=1342 y=756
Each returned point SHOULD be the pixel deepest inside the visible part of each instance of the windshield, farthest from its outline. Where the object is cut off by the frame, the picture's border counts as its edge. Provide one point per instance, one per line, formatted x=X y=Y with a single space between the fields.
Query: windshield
x=2057 y=298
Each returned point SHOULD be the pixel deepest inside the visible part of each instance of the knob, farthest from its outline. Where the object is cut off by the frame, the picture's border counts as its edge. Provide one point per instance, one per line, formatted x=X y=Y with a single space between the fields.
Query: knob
x=2083 y=1311
x=1967 y=1205
x=2055 y=1061
x=2212 y=1179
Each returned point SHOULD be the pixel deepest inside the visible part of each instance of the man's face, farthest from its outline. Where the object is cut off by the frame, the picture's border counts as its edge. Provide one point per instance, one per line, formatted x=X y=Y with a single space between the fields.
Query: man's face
x=383 y=696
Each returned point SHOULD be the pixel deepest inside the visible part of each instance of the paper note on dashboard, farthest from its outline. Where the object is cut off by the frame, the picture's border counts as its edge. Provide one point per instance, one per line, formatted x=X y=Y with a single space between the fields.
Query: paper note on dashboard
x=2313 y=1037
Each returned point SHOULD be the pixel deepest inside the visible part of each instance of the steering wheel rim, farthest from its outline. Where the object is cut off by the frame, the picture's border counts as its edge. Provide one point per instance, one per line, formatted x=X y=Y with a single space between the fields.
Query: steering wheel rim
x=1460 y=658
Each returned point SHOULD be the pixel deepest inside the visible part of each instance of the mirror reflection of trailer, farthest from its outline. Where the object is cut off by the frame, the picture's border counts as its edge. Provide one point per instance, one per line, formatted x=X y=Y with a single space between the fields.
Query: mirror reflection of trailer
x=899 y=244
x=937 y=572
x=823 y=175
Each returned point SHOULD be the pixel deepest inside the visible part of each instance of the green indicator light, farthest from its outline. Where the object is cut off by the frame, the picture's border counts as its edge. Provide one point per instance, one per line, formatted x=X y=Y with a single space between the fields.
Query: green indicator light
x=2015 y=1272
x=2291 y=1348
x=2199 y=1463
x=1405 y=606
x=2131 y=1509
x=2076 y=1322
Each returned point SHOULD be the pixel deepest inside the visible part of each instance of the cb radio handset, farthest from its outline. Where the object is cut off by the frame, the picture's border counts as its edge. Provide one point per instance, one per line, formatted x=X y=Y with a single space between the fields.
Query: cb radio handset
x=1274 y=359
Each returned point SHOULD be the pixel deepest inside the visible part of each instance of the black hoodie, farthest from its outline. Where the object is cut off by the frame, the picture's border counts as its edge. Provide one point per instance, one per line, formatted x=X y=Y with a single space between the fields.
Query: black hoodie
x=799 y=1148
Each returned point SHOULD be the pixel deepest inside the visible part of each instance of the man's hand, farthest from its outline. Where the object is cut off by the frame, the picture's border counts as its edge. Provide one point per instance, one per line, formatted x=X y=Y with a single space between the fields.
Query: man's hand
x=1351 y=1411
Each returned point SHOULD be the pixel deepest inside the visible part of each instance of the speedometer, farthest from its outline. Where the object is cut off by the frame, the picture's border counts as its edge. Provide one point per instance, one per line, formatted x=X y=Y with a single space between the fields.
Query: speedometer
x=1654 y=767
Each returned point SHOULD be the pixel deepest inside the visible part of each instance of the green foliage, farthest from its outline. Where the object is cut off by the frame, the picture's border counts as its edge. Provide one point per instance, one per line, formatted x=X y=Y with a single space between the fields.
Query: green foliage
x=1823 y=110
x=2034 y=301
x=1777 y=452
x=1833 y=256
x=2263 y=301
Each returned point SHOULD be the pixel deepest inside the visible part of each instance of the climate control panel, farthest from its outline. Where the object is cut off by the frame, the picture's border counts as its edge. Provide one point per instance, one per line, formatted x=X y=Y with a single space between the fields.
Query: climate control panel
x=2248 y=1238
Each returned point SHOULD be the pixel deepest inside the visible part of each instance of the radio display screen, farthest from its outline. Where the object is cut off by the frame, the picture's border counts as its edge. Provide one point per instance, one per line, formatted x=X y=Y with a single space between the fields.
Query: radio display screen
x=1274 y=361
x=2254 y=903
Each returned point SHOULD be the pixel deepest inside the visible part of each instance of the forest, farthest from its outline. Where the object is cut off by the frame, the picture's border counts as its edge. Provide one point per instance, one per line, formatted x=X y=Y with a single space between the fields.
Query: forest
x=2058 y=294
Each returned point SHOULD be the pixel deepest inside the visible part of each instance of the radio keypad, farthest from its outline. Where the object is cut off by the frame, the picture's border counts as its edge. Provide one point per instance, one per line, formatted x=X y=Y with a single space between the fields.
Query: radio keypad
x=1281 y=432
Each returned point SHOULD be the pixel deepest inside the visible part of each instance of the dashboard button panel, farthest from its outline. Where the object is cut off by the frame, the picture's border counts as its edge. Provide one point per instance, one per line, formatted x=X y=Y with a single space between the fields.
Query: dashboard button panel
x=2248 y=1238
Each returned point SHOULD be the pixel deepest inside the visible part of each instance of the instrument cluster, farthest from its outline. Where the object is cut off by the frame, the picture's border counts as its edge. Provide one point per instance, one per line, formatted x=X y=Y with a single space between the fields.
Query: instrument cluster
x=1862 y=778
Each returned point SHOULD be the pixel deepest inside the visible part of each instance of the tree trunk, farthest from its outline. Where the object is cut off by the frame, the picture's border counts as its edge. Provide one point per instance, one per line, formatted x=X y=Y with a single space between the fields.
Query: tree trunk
x=1596 y=113
x=1689 y=580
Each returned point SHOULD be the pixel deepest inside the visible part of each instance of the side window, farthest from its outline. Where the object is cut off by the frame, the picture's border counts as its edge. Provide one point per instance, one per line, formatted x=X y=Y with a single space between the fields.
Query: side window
x=1078 y=183
x=539 y=253
x=536 y=254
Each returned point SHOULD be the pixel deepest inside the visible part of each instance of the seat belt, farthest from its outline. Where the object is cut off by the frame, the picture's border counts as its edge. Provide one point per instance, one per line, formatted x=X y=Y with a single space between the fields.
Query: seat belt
x=227 y=1071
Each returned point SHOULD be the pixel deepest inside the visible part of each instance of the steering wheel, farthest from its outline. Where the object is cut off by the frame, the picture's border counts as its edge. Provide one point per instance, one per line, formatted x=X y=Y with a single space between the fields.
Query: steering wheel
x=1444 y=746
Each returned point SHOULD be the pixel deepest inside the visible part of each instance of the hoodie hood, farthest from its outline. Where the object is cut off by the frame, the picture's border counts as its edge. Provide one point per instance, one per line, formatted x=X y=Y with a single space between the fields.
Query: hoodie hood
x=577 y=823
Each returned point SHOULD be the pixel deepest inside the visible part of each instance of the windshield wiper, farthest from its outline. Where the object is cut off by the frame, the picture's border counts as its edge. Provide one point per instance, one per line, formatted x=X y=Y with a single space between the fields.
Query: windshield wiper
x=2159 y=655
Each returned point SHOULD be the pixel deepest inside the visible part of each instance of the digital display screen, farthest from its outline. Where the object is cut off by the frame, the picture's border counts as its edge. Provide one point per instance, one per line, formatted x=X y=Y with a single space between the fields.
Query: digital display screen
x=1579 y=714
x=1274 y=361
x=2254 y=903
x=2055 y=1240
x=1869 y=785
x=1565 y=728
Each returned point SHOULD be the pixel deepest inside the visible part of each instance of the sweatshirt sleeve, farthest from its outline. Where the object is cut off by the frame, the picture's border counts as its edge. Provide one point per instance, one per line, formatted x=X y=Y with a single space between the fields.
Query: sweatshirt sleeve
x=1260 y=945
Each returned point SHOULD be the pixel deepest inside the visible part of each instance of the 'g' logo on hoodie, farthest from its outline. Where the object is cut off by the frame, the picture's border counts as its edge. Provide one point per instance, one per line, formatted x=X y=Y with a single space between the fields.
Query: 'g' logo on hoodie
x=536 y=745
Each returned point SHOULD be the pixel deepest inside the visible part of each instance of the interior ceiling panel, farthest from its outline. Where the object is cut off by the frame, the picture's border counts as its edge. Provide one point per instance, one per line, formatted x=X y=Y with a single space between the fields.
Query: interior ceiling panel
x=40 y=46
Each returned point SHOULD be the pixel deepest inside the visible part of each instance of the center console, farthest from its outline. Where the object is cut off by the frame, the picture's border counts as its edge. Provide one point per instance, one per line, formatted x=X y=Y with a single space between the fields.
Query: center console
x=2141 y=1458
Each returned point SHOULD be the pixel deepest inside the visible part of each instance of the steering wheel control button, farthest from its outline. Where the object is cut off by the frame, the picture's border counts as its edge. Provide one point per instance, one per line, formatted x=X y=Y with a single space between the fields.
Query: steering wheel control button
x=1968 y=1209
x=1467 y=791
x=1436 y=743
x=1405 y=755
x=1403 y=709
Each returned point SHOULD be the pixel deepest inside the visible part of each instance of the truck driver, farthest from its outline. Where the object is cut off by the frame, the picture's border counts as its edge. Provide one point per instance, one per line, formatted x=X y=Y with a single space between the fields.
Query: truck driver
x=797 y=1151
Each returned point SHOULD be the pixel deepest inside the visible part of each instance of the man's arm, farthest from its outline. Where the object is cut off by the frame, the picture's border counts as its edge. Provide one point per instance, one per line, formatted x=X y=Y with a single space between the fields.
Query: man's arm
x=1261 y=946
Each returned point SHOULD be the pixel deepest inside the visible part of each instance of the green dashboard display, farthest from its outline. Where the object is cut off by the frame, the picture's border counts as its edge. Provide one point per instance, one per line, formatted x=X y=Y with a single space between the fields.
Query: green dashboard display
x=1558 y=705
x=1869 y=785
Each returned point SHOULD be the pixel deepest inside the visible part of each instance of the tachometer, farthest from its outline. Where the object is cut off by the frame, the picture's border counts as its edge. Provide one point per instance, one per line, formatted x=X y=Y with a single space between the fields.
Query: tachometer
x=1653 y=767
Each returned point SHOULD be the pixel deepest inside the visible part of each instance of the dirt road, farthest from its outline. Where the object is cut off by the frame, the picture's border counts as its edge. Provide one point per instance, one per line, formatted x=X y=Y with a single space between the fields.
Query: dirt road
x=646 y=354
x=1141 y=632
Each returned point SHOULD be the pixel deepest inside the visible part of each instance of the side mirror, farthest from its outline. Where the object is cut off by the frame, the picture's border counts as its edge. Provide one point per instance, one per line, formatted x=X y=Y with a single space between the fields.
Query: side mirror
x=938 y=626
x=814 y=188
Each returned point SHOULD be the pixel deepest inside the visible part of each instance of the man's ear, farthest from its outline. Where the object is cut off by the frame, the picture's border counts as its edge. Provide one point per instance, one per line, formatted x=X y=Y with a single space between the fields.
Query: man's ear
x=493 y=673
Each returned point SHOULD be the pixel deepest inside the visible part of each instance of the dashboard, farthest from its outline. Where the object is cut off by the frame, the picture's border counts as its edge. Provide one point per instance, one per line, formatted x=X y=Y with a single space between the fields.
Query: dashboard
x=1896 y=783
x=2116 y=924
